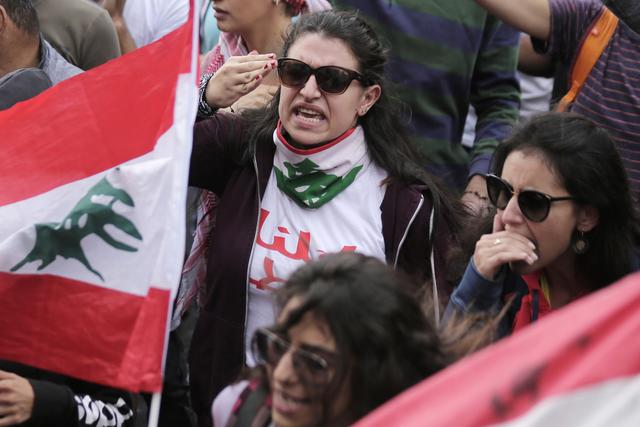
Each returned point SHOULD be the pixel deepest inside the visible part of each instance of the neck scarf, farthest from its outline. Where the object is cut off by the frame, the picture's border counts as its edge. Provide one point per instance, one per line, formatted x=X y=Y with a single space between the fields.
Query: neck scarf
x=313 y=177
x=536 y=303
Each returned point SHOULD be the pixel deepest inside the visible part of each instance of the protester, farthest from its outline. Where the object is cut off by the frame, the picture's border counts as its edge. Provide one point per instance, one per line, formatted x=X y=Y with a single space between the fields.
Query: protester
x=446 y=56
x=258 y=27
x=610 y=95
x=565 y=223
x=21 y=45
x=347 y=339
x=325 y=167
x=79 y=30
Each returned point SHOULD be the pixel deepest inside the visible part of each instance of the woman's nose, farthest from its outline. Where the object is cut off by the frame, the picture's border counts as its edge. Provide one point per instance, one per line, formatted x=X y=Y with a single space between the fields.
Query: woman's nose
x=284 y=371
x=512 y=213
x=310 y=90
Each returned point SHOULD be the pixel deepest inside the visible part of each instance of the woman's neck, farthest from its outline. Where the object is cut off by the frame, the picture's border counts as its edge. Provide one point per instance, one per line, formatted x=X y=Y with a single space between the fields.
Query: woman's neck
x=268 y=36
x=566 y=283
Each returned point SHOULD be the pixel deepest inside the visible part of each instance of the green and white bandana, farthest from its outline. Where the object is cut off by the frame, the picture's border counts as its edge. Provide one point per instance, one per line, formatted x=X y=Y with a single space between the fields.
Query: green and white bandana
x=315 y=176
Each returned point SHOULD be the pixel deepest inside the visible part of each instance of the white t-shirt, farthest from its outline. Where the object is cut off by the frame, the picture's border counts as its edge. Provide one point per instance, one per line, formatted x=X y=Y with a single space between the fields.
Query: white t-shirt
x=290 y=235
x=150 y=20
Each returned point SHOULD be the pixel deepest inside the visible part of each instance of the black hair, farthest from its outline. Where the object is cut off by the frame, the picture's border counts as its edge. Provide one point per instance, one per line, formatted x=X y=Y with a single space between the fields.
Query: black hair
x=584 y=158
x=384 y=340
x=23 y=15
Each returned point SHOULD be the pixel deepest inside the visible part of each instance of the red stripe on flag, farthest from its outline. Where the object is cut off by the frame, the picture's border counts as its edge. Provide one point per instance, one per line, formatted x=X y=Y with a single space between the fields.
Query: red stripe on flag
x=93 y=122
x=84 y=331
x=593 y=340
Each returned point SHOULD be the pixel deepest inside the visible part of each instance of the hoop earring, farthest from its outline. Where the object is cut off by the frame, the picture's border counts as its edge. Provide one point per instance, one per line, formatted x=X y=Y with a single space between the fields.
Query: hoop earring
x=580 y=243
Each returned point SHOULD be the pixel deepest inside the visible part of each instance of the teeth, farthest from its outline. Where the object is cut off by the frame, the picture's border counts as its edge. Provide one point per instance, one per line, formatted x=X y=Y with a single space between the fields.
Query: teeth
x=307 y=111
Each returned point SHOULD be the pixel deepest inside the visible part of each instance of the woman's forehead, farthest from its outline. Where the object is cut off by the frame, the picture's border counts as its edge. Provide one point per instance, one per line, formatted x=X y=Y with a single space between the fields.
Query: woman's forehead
x=318 y=50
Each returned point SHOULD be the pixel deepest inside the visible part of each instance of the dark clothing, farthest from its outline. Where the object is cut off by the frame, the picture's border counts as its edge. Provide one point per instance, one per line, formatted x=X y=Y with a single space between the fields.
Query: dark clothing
x=217 y=349
x=62 y=401
x=22 y=84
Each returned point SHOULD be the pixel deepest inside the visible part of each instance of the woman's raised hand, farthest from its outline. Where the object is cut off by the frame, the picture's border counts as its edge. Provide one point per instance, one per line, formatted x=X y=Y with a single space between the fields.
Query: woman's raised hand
x=501 y=247
x=237 y=77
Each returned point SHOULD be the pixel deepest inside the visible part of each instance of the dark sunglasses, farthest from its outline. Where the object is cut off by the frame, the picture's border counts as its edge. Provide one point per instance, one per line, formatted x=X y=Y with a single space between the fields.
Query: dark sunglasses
x=330 y=78
x=534 y=205
x=313 y=369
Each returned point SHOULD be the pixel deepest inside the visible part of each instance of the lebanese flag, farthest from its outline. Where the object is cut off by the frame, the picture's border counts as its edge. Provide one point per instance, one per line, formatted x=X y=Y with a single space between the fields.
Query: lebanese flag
x=579 y=366
x=92 y=215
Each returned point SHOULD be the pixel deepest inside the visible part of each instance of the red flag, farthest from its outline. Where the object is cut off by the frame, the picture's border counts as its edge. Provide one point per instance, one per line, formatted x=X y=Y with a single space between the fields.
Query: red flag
x=577 y=366
x=94 y=174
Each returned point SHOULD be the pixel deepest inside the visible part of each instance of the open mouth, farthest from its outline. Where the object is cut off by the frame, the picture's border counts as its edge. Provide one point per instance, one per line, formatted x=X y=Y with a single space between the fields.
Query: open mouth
x=309 y=115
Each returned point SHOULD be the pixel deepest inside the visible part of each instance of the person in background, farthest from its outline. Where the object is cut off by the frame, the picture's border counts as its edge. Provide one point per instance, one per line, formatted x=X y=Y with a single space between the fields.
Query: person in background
x=325 y=167
x=140 y=22
x=82 y=32
x=610 y=96
x=22 y=46
x=565 y=224
x=444 y=57
x=31 y=397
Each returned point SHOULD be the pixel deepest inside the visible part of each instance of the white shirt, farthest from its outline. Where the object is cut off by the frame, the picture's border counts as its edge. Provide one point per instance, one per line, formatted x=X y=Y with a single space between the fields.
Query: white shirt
x=150 y=20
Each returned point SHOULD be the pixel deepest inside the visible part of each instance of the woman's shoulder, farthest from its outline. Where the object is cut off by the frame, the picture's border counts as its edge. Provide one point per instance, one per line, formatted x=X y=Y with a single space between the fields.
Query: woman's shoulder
x=225 y=401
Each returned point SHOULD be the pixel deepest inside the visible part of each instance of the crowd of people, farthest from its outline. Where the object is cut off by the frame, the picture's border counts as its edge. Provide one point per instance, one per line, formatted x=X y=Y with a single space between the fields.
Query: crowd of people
x=345 y=242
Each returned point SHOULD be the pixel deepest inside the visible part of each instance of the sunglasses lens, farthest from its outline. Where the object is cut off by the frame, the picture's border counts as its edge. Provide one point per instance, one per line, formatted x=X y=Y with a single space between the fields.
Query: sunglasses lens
x=311 y=367
x=499 y=193
x=293 y=73
x=535 y=206
x=333 y=79
x=268 y=348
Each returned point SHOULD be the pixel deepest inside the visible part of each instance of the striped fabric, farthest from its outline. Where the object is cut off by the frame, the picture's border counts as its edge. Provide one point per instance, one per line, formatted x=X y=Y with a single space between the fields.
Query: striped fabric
x=444 y=56
x=611 y=94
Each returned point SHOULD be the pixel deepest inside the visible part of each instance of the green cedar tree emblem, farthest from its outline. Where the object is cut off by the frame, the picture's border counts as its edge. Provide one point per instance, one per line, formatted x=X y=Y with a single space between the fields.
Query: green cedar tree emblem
x=87 y=217
x=305 y=183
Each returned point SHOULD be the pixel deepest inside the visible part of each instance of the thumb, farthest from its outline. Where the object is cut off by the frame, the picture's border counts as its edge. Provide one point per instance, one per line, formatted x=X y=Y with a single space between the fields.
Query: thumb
x=254 y=52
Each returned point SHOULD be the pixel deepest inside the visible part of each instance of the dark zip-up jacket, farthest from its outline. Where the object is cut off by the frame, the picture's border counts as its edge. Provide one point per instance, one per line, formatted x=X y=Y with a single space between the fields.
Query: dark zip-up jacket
x=217 y=348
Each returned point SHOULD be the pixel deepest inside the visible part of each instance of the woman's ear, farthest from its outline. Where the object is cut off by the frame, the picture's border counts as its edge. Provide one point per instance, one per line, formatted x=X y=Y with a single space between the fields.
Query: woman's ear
x=588 y=218
x=369 y=97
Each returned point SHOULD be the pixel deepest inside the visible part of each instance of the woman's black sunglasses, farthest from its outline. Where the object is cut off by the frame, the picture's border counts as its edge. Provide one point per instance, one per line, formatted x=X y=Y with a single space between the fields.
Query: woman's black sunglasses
x=534 y=205
x=330 y=78
x=268 y=348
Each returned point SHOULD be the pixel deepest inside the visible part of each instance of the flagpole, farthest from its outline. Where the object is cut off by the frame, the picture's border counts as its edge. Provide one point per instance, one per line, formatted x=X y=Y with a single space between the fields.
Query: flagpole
x=154 y=409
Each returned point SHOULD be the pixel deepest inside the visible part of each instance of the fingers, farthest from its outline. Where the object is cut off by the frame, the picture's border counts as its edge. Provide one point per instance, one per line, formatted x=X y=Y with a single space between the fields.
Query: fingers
x=498 y=225
x=253 y=56
x=237 y=77
x=496 y=249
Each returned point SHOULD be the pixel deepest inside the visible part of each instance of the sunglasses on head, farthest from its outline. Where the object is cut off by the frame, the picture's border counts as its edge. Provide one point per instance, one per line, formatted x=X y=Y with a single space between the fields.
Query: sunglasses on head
x=313 y=369
x=534 y=205
x=330 y=78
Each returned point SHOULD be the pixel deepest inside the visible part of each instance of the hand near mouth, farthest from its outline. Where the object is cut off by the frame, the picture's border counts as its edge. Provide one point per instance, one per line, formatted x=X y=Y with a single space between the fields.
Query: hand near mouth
x=502 y=247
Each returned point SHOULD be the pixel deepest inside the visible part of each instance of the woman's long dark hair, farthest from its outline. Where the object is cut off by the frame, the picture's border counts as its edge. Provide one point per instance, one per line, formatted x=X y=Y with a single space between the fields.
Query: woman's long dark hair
x=384 y=125
x=384 y=341
x=585 y=159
